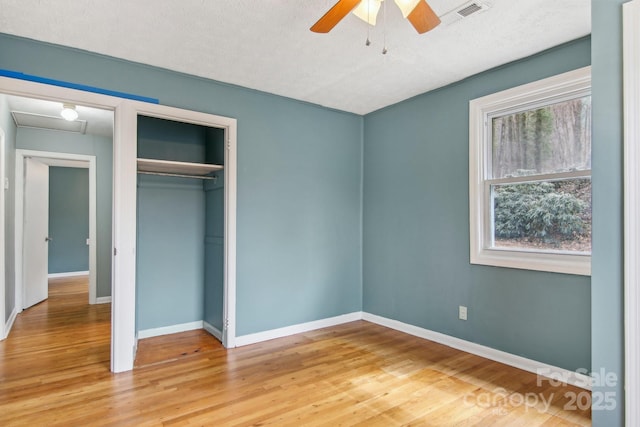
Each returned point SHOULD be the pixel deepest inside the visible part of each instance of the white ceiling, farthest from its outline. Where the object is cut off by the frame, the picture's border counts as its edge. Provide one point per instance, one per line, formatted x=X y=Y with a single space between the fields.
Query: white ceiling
x=267 y=45
x=98 y=122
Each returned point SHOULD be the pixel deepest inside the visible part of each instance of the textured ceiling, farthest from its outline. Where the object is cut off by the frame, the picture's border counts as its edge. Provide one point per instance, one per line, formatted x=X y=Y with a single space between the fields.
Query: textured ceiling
x=267 y=45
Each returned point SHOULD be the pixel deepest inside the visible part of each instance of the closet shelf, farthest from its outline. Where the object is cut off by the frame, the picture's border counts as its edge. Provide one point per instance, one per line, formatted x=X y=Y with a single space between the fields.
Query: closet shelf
x=171 y=167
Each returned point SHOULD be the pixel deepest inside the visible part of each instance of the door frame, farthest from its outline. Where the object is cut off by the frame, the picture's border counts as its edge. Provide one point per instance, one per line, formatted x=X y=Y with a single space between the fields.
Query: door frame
x=120 y=348
x=230 y=189
x=52 y=158
x=3 y=320
x=123 y=305
x=631 y=84
x=125 y=222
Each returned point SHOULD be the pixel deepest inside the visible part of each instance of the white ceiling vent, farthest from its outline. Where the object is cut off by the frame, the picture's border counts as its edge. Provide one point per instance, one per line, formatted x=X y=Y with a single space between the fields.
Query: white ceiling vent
x=463 y=11
x=39 y=121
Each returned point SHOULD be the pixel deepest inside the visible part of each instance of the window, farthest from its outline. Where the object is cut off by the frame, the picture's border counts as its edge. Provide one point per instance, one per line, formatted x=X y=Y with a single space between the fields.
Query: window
x=530 y=175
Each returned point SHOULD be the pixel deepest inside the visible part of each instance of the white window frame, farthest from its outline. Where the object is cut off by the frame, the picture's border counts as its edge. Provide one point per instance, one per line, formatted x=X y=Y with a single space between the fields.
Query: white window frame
x=551 y=90
x=631 y=71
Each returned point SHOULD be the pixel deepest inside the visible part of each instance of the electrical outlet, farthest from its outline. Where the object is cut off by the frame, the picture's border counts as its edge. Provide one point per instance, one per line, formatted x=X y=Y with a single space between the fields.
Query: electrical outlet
x=462 y=312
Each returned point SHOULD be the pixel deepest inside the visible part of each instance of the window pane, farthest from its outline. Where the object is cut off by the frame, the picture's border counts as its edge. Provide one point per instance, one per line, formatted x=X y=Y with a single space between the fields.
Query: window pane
x=551 y=139
x=544 y=216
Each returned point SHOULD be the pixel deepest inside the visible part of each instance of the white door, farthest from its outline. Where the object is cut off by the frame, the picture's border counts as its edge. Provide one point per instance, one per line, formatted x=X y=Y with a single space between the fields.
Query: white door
x=36 y=232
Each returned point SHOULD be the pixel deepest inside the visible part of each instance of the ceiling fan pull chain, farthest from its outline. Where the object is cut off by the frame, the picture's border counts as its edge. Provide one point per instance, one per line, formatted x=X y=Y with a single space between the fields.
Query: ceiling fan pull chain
x=368 y=42
x=384 y=28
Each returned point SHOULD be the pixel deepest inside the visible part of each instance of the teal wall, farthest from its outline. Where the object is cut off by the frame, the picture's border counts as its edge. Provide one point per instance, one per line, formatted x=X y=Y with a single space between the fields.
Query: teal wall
x=68 y=219
x=102 y=148
x=607 y=309
x=298 y=220
x=214 y=233
x=172 y=218
x=180 y=249
x=169 y=140
x=299 y=210
x=170 y=251
x=214 y=252
x=416 y=228
x=9 y=127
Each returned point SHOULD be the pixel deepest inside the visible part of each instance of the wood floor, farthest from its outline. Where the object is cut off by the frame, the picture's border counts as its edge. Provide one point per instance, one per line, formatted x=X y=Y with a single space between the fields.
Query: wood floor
x=54 y=371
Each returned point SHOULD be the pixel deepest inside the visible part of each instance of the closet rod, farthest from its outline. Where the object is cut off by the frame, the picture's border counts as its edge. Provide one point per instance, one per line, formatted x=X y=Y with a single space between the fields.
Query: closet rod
x=179 y=175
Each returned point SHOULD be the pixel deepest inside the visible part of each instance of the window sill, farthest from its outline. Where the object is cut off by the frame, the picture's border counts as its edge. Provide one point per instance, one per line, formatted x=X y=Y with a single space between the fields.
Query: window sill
x=538 y=261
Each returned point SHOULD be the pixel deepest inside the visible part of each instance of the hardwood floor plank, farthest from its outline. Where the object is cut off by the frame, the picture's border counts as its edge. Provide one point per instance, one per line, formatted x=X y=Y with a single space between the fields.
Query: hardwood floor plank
x=54 y=371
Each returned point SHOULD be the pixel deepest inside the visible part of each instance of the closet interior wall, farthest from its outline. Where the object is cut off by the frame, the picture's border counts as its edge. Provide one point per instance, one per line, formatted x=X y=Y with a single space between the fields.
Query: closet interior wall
x=180 y=223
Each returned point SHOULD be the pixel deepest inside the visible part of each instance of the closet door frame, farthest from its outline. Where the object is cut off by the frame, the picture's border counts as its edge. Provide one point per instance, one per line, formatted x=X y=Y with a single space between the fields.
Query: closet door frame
x=127 y=164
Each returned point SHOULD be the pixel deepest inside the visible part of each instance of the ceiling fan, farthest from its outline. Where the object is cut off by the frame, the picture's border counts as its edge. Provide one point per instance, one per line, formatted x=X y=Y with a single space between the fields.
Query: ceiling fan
x=418 y=12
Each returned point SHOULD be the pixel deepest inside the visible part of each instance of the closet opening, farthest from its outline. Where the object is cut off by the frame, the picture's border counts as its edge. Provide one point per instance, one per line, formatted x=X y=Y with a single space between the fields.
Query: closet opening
x=182 y=222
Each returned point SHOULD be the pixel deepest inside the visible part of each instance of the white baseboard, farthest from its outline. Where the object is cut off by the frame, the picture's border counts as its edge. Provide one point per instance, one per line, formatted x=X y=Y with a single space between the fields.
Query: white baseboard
x=297 y=329
x=551 y=372
x=173 y=329
x=9 y=324
x=68 y=274
x=539 y=368
x=103 y=300
x=213 y=330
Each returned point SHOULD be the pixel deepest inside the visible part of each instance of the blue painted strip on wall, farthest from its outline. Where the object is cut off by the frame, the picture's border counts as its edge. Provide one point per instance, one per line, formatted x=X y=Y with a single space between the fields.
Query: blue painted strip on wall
x=37 y=79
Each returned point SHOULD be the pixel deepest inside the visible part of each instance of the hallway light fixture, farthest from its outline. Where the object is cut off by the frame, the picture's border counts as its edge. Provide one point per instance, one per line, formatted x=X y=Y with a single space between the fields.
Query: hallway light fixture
x=69 y=112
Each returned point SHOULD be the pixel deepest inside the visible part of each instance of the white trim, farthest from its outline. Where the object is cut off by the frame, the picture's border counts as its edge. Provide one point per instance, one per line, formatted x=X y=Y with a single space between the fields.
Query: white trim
x=554 y=373
x=631 y=71
x=52 y=158
x=10 y=321
x=230 y=214
x=10 y=86
x=126 y=178
x=563 y=86
x=135 y=346
x=4 y=331
x=528 y=179
x=123 y=336
x=103 y=300
x=173 y=329
x=123 y=291
x=297 y=329
x=93 y=230
x=212 y=330
x=86 y=162
x=69 y=274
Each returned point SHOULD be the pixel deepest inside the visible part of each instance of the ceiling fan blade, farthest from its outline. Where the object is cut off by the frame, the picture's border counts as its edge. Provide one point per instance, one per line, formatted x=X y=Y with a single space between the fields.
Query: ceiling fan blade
x=423 y=18
x=334 y=15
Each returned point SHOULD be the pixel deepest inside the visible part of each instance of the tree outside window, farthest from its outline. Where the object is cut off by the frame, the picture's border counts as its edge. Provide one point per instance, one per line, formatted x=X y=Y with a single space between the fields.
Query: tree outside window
x=530 y=175
x=548 y=213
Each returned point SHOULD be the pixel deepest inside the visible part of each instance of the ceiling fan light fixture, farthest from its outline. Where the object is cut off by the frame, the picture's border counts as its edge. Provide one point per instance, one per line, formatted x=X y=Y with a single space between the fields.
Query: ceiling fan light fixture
x=367 y=10
x=69 y=112
x=417 y=12
x=407 y=6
